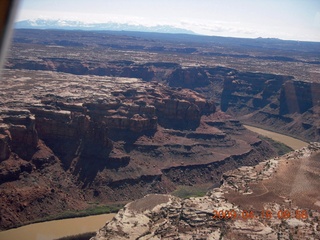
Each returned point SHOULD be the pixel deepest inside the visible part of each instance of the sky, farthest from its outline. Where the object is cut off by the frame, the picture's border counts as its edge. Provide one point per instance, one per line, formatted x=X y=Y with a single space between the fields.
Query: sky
x=284 y=19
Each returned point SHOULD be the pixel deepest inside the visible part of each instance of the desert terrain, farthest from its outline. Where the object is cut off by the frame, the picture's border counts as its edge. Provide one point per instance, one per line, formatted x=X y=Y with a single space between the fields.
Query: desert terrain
x=91 y=118
x=68 y=140
x=276 y=199
x=269 y=83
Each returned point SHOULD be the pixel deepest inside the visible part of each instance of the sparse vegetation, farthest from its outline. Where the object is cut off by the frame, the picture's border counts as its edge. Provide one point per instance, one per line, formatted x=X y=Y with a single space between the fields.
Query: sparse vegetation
x=190 y=191
x=83 y=236
x=281 y=148
x=93 y=210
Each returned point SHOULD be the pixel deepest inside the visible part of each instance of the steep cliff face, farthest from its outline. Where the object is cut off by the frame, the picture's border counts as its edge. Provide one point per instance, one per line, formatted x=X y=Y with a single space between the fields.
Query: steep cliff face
x=298 y=97
x=271 y=101
x=4 y=144
x=72 y=134
x=235 y=92
x=147 y=72
x=92 y=132
x=263 y=99
x=21 y=148
x=110 y=139
x=250 y=91
x=32 y=183
x=234 y=73
x=191 y=77
x=294 y=110
x=18 y=133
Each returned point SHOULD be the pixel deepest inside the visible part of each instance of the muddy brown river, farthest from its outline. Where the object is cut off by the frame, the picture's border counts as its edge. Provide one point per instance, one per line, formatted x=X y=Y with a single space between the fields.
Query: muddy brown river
x=57 y=229
x=289 y=141
x=60 y=228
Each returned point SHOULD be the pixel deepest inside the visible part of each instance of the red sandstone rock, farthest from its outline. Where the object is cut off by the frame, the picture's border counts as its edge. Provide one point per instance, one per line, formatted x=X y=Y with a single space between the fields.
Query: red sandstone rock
x=113 y=143
x=4 y=147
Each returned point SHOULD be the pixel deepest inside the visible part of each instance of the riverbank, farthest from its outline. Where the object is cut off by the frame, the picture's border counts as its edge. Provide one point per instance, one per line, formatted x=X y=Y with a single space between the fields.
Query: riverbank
x=287 y=140
x=60 y=228
x=57 y=228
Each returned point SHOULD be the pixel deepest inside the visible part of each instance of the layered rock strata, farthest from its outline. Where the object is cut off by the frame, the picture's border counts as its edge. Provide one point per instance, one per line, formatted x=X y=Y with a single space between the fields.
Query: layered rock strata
x=101 y=135
x=270 y=83
x=111 y=139
x=280 y=102
x=167 y=217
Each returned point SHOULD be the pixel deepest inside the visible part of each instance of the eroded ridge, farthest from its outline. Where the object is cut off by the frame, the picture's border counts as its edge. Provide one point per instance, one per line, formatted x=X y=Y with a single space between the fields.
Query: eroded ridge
x=251 y=203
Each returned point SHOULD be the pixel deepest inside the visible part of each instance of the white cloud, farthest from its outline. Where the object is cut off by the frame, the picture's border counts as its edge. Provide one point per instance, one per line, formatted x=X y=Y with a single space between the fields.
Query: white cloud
x=219 y=28
x=197 y=25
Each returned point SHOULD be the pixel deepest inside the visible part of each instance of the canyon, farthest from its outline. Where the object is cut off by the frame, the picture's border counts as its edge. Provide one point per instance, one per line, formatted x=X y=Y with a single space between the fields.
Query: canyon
x=111 y=117
x=260 y=202
x=67 y=140
x=266 y=81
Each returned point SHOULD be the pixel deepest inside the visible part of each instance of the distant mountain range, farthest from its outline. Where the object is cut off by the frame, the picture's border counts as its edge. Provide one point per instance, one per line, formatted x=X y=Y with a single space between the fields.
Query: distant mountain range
x=113 y=26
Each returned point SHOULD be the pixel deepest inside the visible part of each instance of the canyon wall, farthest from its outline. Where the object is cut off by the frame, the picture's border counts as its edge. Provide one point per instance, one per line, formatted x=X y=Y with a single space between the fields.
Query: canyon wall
x=294 y=110
x=276 y=102
x=67 y=140
x=101 y=118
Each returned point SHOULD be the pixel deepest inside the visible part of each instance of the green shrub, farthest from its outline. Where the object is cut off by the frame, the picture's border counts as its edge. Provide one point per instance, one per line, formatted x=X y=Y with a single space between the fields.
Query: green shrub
x=281 y=148
x=190 y=191
x=93 y=210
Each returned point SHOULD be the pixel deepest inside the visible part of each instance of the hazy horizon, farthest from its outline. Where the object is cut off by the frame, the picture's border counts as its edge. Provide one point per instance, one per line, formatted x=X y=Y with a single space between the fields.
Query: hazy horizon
x=286 y=19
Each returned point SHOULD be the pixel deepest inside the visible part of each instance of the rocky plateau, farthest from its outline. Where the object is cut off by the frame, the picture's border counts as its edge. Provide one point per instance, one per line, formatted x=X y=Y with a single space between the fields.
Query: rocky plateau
x=107 y=117
x=67 y=140
x=268 y=83
x=248 y=192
